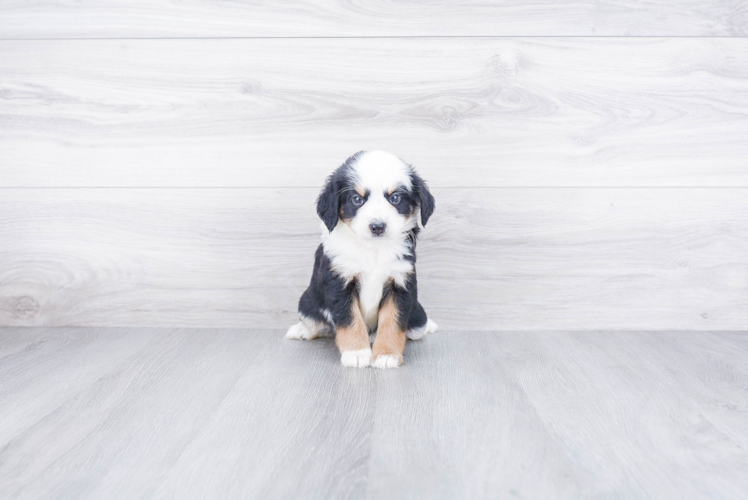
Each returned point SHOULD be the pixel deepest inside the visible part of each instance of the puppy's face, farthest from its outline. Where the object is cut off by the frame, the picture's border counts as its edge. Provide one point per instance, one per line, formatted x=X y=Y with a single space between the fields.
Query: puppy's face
x=377 y=195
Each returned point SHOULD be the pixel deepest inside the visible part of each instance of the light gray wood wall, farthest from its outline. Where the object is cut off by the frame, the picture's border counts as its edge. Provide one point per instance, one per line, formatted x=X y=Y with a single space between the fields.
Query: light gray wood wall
x=158 y=165
x=468 y=112
x=369 y=18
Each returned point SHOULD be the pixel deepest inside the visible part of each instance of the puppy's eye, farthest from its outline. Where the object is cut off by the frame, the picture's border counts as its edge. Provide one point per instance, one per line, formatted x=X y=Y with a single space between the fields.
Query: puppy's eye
x=357 y=200
x=394 y=198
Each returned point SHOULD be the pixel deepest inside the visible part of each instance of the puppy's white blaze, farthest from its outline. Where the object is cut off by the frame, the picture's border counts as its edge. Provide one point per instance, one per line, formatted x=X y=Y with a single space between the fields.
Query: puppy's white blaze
x=356 y=359
x=378 y=209
x=380 y=170
x=386 y=361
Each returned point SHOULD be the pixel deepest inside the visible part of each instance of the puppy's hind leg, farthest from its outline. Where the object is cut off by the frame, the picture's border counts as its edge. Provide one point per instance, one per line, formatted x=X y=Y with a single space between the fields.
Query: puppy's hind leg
x=306 y=329
x=423 y=325
x=431 y=327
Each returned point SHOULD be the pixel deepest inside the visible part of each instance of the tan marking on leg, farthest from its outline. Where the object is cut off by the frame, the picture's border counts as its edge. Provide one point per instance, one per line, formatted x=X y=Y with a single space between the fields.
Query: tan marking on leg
x=390 y=337
x=355 y=336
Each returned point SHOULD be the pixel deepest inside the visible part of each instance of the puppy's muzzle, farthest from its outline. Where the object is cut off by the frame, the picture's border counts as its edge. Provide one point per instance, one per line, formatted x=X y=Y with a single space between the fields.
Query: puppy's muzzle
x=377 y=228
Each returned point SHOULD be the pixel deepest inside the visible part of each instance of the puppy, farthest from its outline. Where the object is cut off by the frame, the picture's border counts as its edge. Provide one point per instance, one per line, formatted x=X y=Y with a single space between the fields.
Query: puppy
x=364 y=277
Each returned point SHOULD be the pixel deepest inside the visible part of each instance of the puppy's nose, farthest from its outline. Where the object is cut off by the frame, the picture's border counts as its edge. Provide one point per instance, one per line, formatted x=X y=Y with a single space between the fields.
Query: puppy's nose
x=377 y=228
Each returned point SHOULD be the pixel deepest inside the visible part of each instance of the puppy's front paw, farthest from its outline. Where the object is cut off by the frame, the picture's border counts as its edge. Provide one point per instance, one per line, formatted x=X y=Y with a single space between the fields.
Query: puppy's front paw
x=356 y=359
x=299 y=332
x=387 y=361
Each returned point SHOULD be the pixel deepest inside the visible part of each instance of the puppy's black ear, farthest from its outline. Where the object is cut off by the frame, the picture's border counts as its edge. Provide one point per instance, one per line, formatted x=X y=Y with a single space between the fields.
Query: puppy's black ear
x=328 y=203
x=423 y=195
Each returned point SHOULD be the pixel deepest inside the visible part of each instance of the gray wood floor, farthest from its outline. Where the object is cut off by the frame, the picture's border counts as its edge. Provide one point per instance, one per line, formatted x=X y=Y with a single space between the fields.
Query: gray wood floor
x=140 y=413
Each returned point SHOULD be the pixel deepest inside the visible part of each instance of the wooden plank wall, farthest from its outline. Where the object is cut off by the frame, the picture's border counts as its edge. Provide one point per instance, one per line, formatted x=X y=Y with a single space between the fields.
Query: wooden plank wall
x=159 y=161
x=370 y=18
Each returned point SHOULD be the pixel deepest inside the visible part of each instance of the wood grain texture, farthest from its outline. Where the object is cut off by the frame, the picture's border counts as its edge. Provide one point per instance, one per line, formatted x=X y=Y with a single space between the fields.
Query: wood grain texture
x=467 y=111
x=247 y=414
x=204 y=18
x=84 y=353
x=489 y=259
x=187 y=401
x=507 y=414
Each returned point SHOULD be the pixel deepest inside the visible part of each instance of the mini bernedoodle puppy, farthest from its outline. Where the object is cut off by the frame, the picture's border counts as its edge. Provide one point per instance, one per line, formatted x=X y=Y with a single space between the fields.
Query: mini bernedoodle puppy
x=364 y=278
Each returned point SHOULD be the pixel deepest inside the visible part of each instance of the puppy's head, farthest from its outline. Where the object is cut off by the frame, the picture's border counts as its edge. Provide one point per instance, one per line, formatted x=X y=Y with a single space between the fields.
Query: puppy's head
x=377 y=195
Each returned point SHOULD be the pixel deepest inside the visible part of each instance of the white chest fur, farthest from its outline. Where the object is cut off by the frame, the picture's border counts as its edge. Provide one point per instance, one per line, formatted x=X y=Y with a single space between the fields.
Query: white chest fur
x=372 y=263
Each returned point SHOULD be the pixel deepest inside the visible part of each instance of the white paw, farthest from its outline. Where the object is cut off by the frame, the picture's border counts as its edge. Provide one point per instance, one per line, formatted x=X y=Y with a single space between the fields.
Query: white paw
x=356 y=359
x=387 y=361
x=431 y=327
x=299 y=332
x=418 y=333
